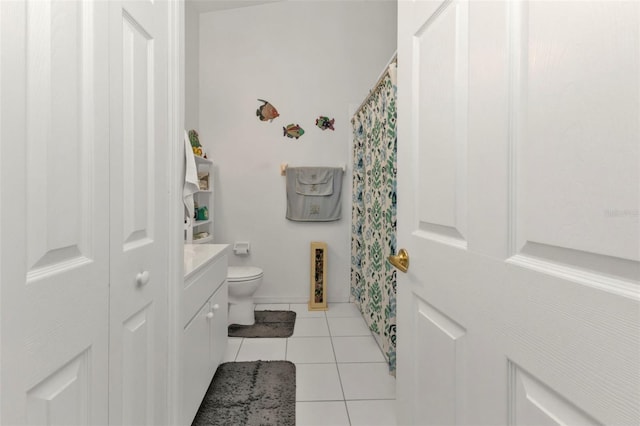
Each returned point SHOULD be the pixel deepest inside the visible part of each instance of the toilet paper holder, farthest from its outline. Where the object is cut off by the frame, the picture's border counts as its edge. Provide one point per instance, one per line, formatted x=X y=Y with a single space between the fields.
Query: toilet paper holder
x=241 y=248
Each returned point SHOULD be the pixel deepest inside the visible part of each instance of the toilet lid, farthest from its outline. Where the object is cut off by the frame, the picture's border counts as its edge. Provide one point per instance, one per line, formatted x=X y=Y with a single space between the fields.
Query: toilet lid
x=243 y=273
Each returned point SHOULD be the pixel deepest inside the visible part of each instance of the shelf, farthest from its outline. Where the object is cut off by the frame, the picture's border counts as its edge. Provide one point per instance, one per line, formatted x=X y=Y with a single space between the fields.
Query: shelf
x=202 y=198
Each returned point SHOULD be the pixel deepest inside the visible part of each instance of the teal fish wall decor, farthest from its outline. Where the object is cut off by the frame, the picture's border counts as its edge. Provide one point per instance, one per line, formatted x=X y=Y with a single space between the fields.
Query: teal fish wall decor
x=266 y=111
x=292 y=131
x=324 y=123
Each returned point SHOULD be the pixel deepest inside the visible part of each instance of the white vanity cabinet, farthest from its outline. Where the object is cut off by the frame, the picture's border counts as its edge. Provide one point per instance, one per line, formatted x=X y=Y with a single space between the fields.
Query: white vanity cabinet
x=204 y=321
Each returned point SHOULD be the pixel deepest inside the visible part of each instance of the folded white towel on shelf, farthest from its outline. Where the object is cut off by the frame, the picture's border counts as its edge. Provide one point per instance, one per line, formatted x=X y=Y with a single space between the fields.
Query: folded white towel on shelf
x=190 y=177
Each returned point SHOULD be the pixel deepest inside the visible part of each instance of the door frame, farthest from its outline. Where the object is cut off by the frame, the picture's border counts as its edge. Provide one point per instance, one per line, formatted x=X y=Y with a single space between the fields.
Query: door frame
x=175 y=268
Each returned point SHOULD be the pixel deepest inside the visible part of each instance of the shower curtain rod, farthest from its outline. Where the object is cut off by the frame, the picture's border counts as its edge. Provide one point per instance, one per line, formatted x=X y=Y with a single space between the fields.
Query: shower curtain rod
x=393 y=59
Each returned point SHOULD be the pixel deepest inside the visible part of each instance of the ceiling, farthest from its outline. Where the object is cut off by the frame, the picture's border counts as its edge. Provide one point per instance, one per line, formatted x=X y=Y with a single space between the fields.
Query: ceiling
x=203 y=6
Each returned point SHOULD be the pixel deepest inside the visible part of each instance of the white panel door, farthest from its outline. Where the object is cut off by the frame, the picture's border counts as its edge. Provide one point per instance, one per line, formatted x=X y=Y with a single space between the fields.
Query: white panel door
x=518 y=197
x=54 y=192
x=138 y=205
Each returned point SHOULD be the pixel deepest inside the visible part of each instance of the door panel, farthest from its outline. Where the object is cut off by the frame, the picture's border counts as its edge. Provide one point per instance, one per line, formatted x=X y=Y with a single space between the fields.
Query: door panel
x=54 y=207
x=534 y=403
x=574 y=219
x=137 y=363
x=444 y=339
x=57 y=211
x=441 y=116
x=139 y=251
x=518 y=204
x=591 y=129
x=62 y=398
x=137 y=133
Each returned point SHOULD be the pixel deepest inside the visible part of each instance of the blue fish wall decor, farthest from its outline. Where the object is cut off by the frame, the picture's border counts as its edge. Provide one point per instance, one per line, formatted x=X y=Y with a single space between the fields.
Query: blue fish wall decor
x=324 y=123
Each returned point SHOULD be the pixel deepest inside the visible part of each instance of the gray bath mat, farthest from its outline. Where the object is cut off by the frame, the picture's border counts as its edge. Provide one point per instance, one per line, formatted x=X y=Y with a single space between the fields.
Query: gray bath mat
x=250 y=393
x=268 y=324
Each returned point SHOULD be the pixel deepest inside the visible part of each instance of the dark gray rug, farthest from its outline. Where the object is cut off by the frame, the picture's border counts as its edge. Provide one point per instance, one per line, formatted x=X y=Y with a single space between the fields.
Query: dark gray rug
x=268 y=324
x=250 y=393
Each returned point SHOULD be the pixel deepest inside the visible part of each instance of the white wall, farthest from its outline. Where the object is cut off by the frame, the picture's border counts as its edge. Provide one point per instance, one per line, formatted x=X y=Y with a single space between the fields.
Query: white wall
x=308 y=58
x=192 y=65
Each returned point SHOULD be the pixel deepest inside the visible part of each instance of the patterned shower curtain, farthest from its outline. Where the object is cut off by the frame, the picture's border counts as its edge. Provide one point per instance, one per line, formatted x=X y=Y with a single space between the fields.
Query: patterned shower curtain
x=373 y=224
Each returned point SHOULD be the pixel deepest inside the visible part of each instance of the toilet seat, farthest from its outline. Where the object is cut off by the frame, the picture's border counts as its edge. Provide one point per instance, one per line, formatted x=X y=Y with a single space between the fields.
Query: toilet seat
x=243 y=273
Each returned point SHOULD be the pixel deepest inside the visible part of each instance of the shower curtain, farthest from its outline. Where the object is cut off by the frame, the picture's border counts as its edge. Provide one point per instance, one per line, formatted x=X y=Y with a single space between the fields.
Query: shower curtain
x=373 y=225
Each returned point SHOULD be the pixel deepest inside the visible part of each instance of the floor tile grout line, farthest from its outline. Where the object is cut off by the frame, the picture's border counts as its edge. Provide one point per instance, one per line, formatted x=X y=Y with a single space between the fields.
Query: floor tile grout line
x=361 y=316
x=286 y=349
x=371 y=399
x=235 y=358
x=286 y=340
x=346 y=407
x=344 y=398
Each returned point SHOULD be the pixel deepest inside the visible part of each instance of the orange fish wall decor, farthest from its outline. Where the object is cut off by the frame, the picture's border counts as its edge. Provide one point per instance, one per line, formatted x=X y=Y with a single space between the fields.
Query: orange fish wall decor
x=266 y=111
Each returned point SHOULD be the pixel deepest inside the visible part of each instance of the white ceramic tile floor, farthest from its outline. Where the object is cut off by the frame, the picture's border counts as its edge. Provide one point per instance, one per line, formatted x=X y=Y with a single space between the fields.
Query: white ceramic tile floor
x=353 y=326
x=233 y=345
x=372 y=412
x=310 y=350
x=318 y=382
x=322 y=413
x=366 y=381
x=262 y=349
x=302 y=311
x=343 y=310
x=354 y=390
x=310 y=327
x=357 y=349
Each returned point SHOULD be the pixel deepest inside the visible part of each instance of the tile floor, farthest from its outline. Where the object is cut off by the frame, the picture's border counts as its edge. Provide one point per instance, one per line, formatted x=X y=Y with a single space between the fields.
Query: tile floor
x=341 y=375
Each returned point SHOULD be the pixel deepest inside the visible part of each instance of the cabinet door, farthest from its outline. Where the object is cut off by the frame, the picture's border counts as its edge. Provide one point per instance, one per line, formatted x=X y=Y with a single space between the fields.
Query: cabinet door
x=196 y=363
x=219 y=331
x=54 y=250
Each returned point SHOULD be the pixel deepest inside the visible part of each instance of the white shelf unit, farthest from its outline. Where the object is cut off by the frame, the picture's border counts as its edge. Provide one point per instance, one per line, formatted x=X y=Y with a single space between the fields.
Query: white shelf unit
x=203 y=197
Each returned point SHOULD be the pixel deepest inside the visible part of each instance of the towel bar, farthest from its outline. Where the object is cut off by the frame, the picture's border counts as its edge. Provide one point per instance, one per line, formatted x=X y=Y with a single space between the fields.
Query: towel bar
x=284 y=166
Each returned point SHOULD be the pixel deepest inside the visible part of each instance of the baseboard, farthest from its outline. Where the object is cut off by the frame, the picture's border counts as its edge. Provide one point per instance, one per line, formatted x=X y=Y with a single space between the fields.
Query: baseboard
x=267 y=299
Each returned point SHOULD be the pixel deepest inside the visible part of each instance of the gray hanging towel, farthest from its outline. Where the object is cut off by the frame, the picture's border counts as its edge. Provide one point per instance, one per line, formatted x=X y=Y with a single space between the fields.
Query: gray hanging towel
x=314 y=193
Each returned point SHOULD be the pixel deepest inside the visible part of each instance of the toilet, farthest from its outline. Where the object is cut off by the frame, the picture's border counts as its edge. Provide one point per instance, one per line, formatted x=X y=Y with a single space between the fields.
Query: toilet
x=243 y=281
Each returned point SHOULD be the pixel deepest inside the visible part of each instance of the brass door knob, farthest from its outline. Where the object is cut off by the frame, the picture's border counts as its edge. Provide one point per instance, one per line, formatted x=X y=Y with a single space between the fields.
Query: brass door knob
x=401 y=260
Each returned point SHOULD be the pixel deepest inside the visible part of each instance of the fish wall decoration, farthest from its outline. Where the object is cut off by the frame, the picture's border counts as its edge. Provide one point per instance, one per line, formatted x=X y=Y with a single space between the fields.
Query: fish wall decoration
x=292 y=131
x=324 y=123
x=266 y=111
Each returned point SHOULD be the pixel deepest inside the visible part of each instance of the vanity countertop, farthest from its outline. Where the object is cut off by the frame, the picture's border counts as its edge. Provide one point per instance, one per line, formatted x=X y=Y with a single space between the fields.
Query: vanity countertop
x=198 y=255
